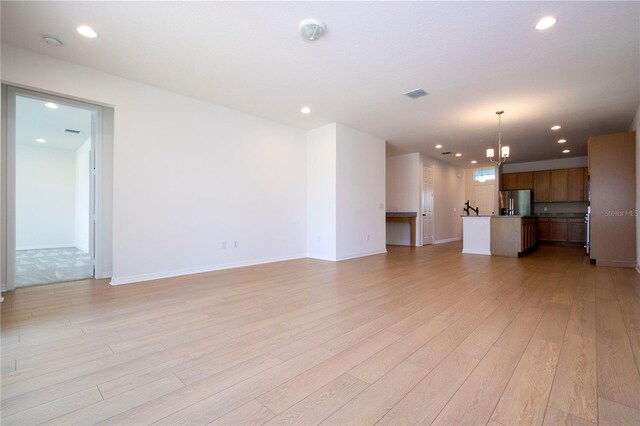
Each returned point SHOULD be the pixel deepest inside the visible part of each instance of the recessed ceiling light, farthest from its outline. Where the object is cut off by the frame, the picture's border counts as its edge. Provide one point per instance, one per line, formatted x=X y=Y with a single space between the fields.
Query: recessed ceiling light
x=305 y=110
x=40 y=140
x=566 y=151
x=51 y=105
x=562 y=140
x=458 y=155
x=87 y=31
x=546 y=23
x=52 y=41
x=438 y=146
x=473 y=161
x=556 y=127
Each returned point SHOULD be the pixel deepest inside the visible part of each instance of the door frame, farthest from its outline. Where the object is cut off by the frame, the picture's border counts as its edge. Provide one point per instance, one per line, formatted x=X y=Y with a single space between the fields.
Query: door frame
x=9 y=180
x=433 y=220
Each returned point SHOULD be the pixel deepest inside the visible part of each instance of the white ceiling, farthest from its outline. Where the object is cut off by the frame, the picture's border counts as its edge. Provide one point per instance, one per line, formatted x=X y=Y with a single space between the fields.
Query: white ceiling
x=34 y=120
x=472 y=57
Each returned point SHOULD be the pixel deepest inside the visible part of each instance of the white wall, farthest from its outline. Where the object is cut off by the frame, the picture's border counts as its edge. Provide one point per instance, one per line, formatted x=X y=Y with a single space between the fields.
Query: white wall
x=403 y=195
x=404 y=191
x=321 y=192
x=360 y=198
x=45 y=200
x=635 y=126
x=187 y=174
x=82 y=196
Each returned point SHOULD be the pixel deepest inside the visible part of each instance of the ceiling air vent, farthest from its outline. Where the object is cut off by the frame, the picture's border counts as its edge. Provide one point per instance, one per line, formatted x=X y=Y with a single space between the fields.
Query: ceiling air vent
x=446 y=153
x=75 y=132
x=415 y=94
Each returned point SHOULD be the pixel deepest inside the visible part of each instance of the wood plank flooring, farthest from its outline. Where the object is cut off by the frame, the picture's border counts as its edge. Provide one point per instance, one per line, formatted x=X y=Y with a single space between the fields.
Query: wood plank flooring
x=417 y=336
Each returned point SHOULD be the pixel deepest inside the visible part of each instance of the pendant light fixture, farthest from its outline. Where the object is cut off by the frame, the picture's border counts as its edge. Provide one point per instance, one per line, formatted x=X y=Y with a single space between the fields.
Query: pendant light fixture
x=502 y=150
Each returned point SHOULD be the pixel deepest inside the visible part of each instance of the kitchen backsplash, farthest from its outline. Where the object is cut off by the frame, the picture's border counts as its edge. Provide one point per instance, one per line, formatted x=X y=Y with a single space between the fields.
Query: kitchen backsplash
x=576 y=207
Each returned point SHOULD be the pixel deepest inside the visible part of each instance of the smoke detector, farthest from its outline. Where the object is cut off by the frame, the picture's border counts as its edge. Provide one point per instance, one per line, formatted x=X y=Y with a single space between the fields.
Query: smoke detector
x=52 y=41
x=312 y=29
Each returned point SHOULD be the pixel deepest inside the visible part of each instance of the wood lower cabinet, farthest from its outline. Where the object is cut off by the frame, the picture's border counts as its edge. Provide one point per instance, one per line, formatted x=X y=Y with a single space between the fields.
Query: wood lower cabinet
x=542 y=229
x=577 y=231
x=559 y=230
x=562 y=230
x=541 y=182
x=528 y=234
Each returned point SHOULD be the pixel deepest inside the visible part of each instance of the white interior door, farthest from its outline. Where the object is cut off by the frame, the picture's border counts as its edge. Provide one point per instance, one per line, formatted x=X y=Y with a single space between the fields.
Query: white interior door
x=427 y=205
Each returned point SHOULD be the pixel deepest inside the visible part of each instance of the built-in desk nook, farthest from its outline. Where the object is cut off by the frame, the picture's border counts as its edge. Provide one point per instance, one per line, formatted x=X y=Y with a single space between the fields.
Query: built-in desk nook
x=405 y=217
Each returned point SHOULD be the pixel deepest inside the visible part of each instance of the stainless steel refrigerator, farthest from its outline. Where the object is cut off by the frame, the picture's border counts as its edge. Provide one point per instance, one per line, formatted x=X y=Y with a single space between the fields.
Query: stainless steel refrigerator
x=515 y=202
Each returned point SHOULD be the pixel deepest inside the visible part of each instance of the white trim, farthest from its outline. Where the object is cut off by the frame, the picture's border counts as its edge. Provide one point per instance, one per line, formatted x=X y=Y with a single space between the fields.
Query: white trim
x=368 y=253
x=447 y=240
x=638 y=268
x=96 y=133
x=197 y=270
x=486 y=253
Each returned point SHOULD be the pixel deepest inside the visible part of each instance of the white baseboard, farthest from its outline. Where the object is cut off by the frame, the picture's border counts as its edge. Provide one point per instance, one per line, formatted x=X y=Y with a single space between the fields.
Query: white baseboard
x=130 y=279
x=447 y=240
x=369 y=253
x=486 y=253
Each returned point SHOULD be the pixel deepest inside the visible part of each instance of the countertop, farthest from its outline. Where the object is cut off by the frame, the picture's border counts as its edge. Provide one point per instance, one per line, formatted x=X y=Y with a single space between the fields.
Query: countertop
x=550 y=215
x=402 y=214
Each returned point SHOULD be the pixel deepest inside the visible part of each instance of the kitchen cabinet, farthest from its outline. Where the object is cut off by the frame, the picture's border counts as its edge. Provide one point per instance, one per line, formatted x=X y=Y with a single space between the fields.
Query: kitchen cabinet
x=577 y=231
x=558 y=230
x=528 y=234
x=612 y=177
x=524 y=180
x=559 y=185
x=541 y=181
x=542 y=229
x=509 y=181
x=576 y=184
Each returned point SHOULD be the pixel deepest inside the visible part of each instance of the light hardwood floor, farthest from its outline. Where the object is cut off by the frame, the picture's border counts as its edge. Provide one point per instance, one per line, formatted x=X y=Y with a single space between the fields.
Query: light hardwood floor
x=417 y=336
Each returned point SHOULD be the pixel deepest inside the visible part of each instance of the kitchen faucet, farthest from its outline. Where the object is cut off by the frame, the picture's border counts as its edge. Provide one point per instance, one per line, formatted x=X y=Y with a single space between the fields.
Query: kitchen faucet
x=467 y=207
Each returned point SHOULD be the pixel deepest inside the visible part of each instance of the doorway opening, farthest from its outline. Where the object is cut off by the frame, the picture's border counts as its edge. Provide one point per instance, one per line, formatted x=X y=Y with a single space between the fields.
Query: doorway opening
x=50 y=187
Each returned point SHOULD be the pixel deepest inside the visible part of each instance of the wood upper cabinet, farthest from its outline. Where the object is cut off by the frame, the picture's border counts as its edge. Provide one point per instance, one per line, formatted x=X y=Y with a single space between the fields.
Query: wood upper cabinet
x=559 y=185
x=524 y=180
x=509 y=181
x=541 y=181
x=577 y=184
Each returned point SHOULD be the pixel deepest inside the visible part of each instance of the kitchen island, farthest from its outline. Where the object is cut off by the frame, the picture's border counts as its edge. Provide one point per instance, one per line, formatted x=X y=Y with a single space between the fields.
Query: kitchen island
x=511 y=236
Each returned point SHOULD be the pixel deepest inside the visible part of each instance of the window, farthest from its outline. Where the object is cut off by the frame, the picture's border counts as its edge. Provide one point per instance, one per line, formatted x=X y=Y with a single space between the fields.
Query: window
x=484 y=174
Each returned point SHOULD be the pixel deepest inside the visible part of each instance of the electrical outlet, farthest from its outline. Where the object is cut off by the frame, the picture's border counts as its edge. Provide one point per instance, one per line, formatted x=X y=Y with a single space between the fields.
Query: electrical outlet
x=382 y=205
x=368 y=237
x=235 y=244
x=454 y=209
x=223 y=245
x=545 y=209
